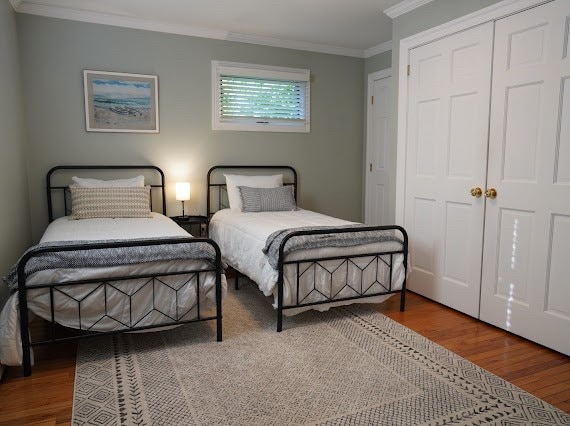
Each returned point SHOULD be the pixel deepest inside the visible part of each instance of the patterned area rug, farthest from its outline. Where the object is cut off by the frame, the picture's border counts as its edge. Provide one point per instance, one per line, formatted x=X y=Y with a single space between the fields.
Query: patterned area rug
x=347 y=366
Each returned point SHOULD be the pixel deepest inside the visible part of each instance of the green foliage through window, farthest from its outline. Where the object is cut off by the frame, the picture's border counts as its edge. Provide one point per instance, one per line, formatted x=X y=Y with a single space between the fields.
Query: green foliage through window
x=262 y=98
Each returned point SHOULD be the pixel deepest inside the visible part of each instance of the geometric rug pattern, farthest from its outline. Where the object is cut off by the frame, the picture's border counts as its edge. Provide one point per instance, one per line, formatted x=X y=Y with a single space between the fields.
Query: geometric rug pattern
x=347 y=366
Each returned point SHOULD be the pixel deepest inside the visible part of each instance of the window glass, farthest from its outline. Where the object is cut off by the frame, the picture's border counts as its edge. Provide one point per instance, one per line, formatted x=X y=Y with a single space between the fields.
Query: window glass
x=260 y=98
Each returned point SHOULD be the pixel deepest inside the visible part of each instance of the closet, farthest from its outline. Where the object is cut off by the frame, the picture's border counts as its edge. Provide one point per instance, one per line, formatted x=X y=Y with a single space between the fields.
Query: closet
x=486 y=181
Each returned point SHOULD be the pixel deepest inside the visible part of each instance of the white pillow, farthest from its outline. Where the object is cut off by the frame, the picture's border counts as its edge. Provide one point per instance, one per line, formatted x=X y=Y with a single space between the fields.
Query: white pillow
x=96 y=183
x=233 y=181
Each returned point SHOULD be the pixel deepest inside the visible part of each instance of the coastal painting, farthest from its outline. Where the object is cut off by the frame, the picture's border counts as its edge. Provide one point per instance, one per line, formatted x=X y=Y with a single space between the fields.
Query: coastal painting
x=119 y=102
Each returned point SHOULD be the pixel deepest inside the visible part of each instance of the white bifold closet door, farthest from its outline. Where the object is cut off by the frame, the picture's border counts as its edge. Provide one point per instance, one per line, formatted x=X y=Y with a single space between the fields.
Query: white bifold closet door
x=526 y=267
x=446 y=156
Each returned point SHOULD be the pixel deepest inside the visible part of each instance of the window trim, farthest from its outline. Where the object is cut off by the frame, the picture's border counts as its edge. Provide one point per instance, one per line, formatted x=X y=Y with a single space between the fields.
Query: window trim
x=259 y=71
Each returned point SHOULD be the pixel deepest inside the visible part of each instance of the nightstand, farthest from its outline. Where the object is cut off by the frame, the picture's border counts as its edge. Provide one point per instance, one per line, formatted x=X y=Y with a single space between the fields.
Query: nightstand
x=200 y=224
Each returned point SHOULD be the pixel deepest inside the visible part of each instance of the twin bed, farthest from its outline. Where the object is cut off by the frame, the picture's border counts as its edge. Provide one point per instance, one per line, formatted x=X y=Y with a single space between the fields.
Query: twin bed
x=109 y=263
x=304 y=259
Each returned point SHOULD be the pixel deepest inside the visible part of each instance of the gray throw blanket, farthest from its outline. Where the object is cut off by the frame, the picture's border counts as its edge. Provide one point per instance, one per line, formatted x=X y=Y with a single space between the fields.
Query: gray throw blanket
x=343 y=239
x=116 y=256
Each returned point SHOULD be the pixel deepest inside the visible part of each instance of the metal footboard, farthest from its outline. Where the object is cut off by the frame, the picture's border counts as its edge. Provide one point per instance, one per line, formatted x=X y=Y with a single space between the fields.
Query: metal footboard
x=153 y=280
x=360 y=289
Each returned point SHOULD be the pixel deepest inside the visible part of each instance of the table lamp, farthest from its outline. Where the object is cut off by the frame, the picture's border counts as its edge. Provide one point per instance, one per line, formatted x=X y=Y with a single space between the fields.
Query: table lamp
x=182 y=193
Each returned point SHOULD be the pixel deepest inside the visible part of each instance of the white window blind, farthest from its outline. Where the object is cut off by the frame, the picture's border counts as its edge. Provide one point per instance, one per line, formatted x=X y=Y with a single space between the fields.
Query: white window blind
x=260 y=98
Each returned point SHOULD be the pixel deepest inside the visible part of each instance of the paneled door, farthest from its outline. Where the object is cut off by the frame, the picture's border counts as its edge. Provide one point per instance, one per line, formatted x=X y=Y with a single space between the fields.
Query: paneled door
x=377 y=156
x=526 y=265
x=446 y=157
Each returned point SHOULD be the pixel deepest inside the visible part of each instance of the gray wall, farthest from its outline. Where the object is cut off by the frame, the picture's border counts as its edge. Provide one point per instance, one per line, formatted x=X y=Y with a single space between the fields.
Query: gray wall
x=423 y=18
x=377 y=63
x=55 y=52
x=15 y=210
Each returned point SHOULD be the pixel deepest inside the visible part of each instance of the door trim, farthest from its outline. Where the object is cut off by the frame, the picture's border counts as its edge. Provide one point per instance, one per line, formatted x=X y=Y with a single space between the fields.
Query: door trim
x=491 y=13
x=377 y=75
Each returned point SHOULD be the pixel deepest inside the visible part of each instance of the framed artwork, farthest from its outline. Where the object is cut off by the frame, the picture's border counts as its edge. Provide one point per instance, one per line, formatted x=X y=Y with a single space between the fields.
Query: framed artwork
x=119 y=102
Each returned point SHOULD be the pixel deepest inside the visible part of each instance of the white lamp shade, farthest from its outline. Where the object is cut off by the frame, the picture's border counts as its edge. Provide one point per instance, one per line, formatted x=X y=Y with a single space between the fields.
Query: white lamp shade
x=182 y=191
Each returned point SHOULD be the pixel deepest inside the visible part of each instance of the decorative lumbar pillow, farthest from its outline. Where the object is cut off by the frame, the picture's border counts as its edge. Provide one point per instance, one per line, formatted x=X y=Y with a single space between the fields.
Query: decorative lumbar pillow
x=97 y=183
x=267 y=199
x=233 y=181
x=90 y=203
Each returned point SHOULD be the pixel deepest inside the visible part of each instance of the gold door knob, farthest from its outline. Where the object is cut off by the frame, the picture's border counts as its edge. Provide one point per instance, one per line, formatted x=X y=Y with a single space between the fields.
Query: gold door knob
x=476 y=192
x=491 y=193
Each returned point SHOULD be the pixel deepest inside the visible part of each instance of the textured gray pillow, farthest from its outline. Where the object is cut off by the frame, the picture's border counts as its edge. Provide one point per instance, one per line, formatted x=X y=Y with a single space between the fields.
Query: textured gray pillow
x=267 y=199
x=90 y=203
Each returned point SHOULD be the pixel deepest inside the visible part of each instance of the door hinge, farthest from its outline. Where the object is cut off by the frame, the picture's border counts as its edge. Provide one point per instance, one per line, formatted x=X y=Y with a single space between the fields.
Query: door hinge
x=370 y=166
x=408 y=69
x=372 y=100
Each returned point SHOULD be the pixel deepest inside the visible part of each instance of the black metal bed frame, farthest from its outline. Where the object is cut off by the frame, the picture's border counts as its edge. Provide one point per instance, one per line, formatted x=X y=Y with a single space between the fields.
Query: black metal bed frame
x=153 y=279
x=217 y=200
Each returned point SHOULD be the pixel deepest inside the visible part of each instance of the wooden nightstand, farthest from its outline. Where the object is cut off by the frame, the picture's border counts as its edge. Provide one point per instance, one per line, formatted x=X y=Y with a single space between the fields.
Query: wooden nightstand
x=200 y=224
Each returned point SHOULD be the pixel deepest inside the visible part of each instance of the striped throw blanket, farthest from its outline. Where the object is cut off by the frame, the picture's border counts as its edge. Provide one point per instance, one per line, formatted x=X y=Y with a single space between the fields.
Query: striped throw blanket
x=115 y=256
x=351 y=237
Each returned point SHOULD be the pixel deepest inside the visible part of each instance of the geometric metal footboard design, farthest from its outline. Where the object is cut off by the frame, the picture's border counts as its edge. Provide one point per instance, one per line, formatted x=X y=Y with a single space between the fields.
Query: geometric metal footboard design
x=107 y=293
x=174 y=298
x=360 y=275
x=367 y=279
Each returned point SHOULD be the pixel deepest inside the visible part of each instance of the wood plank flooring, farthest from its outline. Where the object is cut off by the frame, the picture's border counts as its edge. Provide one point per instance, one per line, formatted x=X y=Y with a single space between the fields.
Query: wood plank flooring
x=45 y=398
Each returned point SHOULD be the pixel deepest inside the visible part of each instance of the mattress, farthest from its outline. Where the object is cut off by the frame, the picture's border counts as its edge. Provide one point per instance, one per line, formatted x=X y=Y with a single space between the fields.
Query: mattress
x=242 y=236
x=110 y=307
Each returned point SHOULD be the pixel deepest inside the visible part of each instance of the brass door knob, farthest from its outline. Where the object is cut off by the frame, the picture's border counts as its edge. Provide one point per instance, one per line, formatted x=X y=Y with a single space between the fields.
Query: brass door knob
x=491 y=193
x=476 y=192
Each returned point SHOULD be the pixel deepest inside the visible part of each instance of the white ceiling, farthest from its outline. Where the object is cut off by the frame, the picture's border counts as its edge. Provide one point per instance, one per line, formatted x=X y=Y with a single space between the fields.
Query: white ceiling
x=347 y=27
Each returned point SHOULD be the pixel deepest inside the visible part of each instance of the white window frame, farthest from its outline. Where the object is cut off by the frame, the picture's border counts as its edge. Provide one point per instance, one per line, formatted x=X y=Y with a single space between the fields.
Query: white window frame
x=259 y=71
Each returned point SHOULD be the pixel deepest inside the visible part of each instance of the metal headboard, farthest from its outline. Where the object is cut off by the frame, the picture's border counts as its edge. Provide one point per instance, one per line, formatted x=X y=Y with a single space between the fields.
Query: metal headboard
x=217 y=191
x=153 y=173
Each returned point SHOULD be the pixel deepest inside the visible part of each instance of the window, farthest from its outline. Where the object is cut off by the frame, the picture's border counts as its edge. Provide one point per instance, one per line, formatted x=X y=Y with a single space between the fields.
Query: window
x=260 y=98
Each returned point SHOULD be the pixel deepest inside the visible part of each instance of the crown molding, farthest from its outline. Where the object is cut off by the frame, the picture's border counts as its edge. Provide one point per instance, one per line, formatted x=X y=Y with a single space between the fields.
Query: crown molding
x=296 y=45
x=381 y=48
x=404 y=7
x=15 y=4
x=164 y=27
x=119 y=21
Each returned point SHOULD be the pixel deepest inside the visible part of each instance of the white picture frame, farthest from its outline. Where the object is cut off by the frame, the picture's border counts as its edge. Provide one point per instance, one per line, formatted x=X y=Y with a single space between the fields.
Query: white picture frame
x=120 y=102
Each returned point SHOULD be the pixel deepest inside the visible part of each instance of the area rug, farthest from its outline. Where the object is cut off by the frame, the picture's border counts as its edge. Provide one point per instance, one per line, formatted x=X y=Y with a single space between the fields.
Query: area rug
x=347 y=366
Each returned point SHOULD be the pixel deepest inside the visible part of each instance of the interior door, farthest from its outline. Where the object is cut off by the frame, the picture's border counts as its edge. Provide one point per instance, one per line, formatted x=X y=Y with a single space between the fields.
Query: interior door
x=446 y=154
x=377 y=172
x=526 y=268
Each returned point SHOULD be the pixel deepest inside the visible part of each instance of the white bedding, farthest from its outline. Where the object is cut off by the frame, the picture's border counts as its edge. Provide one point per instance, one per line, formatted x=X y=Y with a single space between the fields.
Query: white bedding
x=242 y=236
x=66 y=229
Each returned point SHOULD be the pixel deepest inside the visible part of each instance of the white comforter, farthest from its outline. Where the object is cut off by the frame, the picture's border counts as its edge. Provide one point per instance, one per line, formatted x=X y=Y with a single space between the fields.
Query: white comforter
x=242 y=236
x=66 y=229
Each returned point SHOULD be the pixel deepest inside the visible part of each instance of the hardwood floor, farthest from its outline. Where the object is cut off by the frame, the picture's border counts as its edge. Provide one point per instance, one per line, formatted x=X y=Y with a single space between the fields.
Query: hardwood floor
x=534 y=368
x=45 y=398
